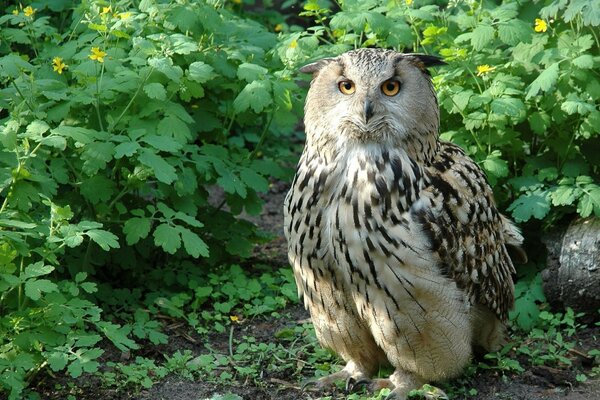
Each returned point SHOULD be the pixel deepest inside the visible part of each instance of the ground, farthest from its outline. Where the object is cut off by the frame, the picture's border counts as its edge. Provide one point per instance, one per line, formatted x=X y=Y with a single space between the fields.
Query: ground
x=535 y=383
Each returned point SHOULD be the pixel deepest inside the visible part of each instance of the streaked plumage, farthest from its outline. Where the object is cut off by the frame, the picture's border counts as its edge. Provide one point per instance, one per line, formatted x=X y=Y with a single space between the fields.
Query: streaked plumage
x=397 y=246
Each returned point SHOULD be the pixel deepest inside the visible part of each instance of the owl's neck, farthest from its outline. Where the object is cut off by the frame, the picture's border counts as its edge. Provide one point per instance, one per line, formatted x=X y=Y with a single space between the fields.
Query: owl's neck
x=420 y=147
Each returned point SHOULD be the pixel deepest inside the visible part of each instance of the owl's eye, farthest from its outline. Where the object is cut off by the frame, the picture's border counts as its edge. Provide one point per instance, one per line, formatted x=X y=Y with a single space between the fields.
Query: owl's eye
x=346 y=87
x=390 y=87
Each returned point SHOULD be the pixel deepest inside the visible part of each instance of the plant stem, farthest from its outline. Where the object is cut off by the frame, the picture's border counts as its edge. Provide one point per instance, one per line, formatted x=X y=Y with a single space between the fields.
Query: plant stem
x=231 y=342
x=97 y=105
x=22 y=96
x=20 y=300
x=111 y=127
x=263 y=136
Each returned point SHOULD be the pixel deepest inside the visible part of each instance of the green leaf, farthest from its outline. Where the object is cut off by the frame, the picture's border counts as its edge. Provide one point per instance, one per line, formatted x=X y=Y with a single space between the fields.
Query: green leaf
x=563 y=196
x=35 y=287
x=167 y=237
x=482 y=36
x=254 y=180
x=126 y=149
x=507 y=106
x=255 y=95
x=174 y=127
x=155 y=91
x=37 y=269
x=13 y=223
x=162 y=143
x=80 y=135
x=514 y=32
x=494 y=165
x=163 y=171
x=575 y=105
x=80 y=277
x=96 y=155
x=193 y=244
x=136 y=229
x=165 y=65
x=584 y=61
x=201 y=72
x=251 y=72
x=37 y=128
x=105 y=239
x=589 y=202
x=544 y=81
x=539 y=122
x=58 y=360
x=118 y=335
x=97 y=189
x=530 y=205
x=460 y=100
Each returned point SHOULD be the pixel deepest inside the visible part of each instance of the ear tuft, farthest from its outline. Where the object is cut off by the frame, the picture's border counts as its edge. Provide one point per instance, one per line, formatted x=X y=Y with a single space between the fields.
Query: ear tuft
x=316 y=66
x=429 y=60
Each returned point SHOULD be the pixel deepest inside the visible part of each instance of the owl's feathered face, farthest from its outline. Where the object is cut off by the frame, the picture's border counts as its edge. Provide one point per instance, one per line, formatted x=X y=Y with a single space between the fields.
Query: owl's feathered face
x=372 y=96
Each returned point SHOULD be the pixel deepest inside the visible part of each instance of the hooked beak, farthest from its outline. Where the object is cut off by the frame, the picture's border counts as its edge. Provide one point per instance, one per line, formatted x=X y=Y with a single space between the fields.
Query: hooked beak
x=368 y=110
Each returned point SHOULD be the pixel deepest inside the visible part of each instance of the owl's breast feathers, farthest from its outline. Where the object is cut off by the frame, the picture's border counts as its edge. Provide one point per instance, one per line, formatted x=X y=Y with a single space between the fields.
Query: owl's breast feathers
x=372 y=214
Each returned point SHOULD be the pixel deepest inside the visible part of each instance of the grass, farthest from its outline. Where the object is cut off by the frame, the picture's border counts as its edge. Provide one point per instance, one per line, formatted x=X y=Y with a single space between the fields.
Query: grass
x=237 y=329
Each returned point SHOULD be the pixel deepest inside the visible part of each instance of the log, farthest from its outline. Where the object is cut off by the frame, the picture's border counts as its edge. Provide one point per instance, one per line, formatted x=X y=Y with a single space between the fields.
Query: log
x=572 y=276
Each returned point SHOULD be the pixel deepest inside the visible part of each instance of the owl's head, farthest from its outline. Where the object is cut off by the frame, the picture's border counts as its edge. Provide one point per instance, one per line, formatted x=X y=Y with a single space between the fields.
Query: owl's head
x=372 y=96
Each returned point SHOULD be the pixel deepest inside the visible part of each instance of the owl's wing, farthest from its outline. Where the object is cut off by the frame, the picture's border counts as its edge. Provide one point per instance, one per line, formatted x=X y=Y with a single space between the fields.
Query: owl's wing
x=471 y=237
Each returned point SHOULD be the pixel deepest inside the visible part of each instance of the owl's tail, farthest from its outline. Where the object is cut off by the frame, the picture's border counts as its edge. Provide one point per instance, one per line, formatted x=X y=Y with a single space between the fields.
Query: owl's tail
x=513 y=239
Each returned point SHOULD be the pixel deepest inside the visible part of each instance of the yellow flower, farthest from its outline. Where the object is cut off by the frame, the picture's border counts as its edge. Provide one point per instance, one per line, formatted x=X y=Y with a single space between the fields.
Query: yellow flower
x=124 y=15
x=237 y=1
x=106 y=10
x=484 y=69
x=234 y=318
x=293 y=44
x=540 y=25
x=408 y=2
x=278 y=28
x=15 y=11
x=97 y=54
x=29 y=11
x=58 y=65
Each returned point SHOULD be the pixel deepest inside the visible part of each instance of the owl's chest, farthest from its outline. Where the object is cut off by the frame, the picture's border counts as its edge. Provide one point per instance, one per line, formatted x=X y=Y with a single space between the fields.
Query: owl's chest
x=367 y=206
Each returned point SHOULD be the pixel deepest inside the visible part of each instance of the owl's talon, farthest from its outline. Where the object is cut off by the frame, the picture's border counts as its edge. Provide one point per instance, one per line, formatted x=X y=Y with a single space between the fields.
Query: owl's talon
x=315 y=384
x=356 y=385
x=350 y=382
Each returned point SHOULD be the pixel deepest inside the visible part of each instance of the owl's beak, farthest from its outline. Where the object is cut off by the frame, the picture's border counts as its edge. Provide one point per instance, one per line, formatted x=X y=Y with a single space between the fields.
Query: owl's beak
x=368 y=110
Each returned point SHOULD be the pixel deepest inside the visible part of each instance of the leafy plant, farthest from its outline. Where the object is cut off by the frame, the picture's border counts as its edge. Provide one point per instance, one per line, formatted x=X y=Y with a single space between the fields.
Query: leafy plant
x=119 y=122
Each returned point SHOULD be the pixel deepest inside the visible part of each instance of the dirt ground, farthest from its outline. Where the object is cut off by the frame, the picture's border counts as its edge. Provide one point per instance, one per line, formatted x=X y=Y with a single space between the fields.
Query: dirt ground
x=536 y=383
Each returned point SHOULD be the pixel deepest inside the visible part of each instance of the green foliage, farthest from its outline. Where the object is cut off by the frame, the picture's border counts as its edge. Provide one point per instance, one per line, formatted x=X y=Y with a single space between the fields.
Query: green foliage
x=528 y=296
x=119 y=122
x=548 y=343
x=212 y=301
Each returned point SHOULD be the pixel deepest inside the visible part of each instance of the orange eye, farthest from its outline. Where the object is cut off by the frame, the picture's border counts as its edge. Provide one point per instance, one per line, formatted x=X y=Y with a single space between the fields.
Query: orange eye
x=390 y=87
x=346 y=87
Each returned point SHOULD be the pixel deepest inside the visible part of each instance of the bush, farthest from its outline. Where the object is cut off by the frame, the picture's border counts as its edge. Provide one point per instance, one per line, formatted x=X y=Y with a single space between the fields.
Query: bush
x=118 y=122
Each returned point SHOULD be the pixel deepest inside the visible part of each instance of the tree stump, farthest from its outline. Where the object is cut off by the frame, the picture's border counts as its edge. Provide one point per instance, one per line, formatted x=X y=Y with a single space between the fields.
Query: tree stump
x=572 y=276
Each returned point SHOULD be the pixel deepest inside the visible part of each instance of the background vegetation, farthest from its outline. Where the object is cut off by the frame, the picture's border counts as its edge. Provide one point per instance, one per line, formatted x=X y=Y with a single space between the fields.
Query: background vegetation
x=135 y=133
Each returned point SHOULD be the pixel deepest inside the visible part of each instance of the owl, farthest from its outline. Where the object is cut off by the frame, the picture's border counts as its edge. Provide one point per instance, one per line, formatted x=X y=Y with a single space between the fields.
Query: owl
x=398 y=250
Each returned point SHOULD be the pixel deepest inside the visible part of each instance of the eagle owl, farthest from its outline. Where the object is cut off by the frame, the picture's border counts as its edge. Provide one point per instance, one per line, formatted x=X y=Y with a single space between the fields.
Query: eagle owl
x=396 y=244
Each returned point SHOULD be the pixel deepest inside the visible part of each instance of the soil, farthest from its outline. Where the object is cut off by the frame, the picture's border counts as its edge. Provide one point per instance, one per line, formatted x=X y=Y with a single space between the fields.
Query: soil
x=535 y=383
